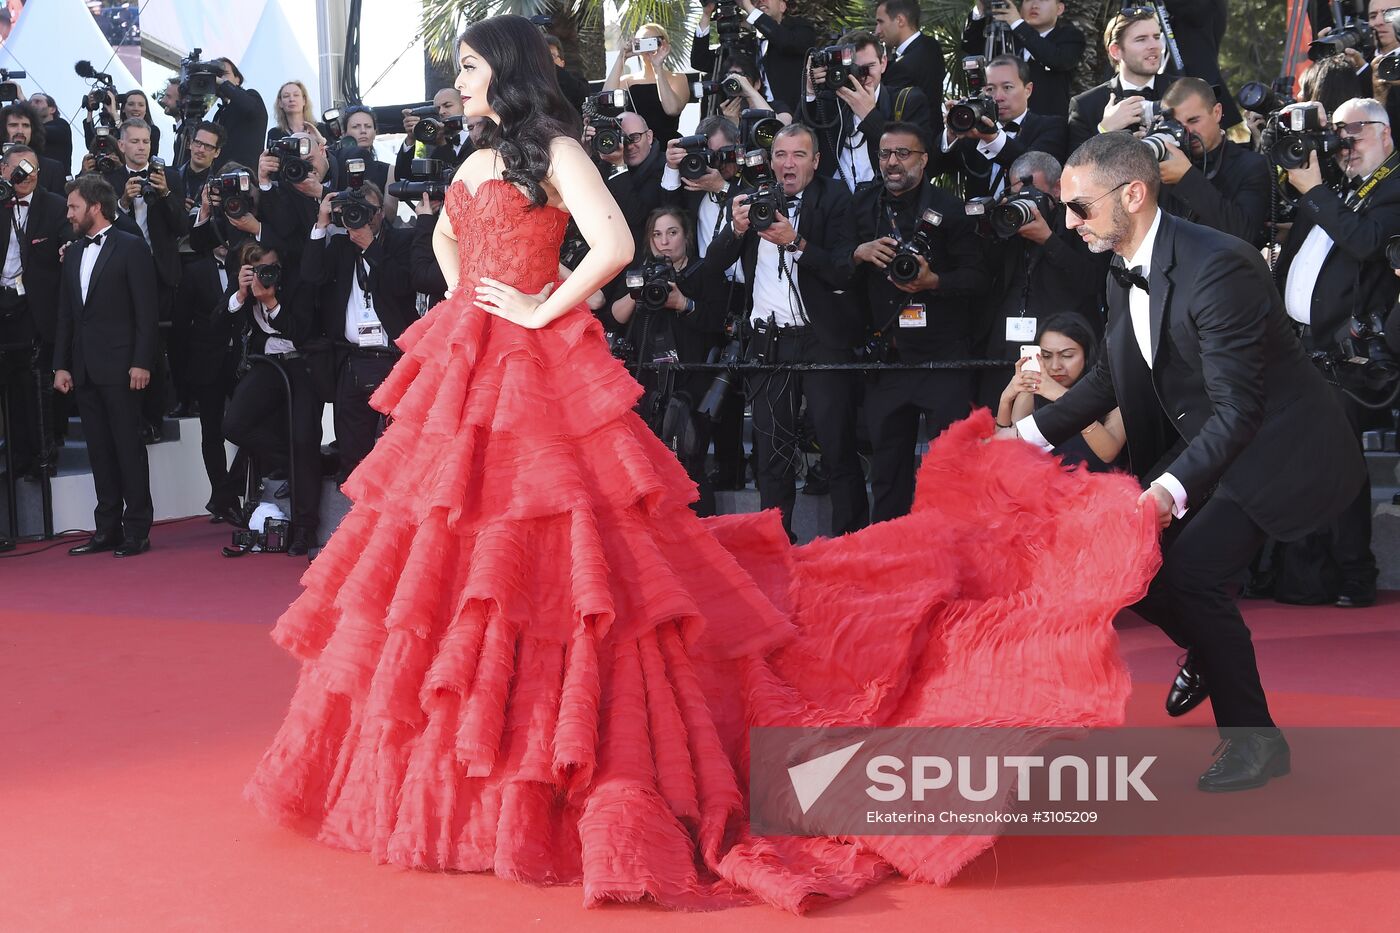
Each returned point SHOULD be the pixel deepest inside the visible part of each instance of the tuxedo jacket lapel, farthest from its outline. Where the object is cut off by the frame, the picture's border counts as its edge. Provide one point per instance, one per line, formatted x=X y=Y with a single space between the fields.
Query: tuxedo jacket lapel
x=103 y=254
x=1159 y=279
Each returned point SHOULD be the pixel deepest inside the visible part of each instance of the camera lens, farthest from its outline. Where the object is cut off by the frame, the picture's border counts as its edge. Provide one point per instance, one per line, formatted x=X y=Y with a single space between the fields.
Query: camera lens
x=295 y=170
x=607 y=141
x=1160 y=148
x=1290 y=152
x=1392 y=252
x=1010 y=217
x=962 y=117
x=904 y=267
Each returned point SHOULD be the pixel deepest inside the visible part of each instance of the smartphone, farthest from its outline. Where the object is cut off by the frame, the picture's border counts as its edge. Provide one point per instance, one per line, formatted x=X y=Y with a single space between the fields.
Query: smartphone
x=649 y=44
x=1031 y=354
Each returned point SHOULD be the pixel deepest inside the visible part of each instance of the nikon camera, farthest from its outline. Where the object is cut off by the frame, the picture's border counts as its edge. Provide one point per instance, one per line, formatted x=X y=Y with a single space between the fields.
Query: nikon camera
x=292 y=153
x=602 y=112
x=1005 y=216
x=699 y=158
x=904 y=266
x=1303 y=132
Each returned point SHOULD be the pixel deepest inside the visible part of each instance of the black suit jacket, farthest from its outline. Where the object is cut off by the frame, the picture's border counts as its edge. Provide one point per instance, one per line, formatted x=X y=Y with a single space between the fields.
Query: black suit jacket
x=100 y=340
x=1235 y=200
x=830 y=142
x=638 y=190
x=1086 y=109
x=243 y=115
x=1355 y=276
x=1231 y=380
x=53 y=177
x=1199 y=26
x=165 y=219
x=786 y=56
x=426 y=274
x=824 y=271
x=328 y=269
x=295 y=319
x=920 y=66
x=1054 y=58
x=1038 y=133
x=45 y=231
x=58 y=142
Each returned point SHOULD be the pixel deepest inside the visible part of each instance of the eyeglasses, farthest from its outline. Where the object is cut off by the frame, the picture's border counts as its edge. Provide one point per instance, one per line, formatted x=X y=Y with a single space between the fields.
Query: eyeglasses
x=634 y=138
x=201 y=144
x=1354 y=128
x=1081 y=209
x=901 y=153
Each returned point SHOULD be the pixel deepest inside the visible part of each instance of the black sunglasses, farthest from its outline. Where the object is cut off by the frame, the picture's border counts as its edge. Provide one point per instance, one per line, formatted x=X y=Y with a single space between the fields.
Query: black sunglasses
x=1082 y=209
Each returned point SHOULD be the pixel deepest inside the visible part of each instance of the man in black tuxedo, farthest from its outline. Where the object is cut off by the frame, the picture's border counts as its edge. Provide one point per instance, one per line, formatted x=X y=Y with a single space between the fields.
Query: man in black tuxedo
x=365 y=296
x=242 y=114
x=58 y=135
x=915 y=58
x=1134 y=42
x=983 y=156
x=1231 y=187
x=453 y=150
x=860 y=111
x=24 y=127
x=288 y=210
x=637 y=184
x=1215 y=393
x=33 y=225
x=796 y=282
x=782 y=46
x=1333 y=267
x=155 y=199
x=927 y=318
x=104 y=351
x=1051 y=48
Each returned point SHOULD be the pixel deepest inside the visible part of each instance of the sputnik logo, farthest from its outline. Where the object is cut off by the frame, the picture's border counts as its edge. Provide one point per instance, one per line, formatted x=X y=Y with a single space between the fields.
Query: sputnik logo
x=811 y=778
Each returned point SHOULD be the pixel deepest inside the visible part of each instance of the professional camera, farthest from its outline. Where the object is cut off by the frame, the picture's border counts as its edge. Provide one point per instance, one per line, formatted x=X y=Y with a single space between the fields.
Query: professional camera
x=233 y=192
x=729 y=86
x=425 y=176
x=1005 y=216
x=999 y=37
x=839 y=62
x=968 y=114
x=1392 y=252
x=293 y=153
x=103 y=90
x=700 y=158
x=755 y=167
x=273 y=539
x=1304 y=133
x=650 y=284
x=1165 y=133
x=757 y=128
x=9 y=91
x=1365 y=349
x=350 y=208
x=1265 y=100
x=904 y=267
x=432 y=129
x=1388 y=68
x=601 y=111
x=199 y=85
x=106 y=151
x=17 y=177
x=332 y=127
x=736 y=36
x=268 y=274
x=713 y=400
x=765 y=205
x=147 y=190
x=1348 y=32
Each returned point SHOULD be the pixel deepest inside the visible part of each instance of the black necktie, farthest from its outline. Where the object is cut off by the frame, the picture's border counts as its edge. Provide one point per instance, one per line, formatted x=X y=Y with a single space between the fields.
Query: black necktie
x=93 y=240
x=1128 y=277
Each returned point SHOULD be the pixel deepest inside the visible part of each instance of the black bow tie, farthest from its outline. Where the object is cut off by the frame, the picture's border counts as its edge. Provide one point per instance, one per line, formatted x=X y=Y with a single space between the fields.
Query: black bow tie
x=1012 y=126
x=93 y=240
x=19 y=203
x=1129 y=277
x=144 y=173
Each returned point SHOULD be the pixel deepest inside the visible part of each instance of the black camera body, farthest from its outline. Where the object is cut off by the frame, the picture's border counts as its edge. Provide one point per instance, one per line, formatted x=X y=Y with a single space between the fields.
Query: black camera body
x=968 y=114
x=1264 y=99
x=729 y=86
x=602 y=111
x=1349 y=32
x=1005 y=216
x=234 y=194
x=106 y=152
x=765 y=205
x=1303 y=133
x=650 y=284
x=199 y=85
x=147 y=190
x=9 y=91
x=757 y=128
x=1365 y=349
x=839 y=62
x=104 y=89
x=17 y=177
x=904 y=266
x=350 y=208
x=292 y=152
x=273 y=539
x=432 y=129
x=269 y=274
x=699 y=158
x=425 y=176
x=1165 y=133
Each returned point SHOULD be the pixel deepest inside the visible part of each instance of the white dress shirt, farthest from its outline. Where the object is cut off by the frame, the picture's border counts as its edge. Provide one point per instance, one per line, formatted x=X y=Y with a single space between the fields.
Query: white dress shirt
x=1303 y=272
x=854 y=155
x=359 y=310
x=1140 y=315
x=90 y=252
x=14 y=261
x=140 y=210
x=709 y=217
x=774 y=297
x=263 y=316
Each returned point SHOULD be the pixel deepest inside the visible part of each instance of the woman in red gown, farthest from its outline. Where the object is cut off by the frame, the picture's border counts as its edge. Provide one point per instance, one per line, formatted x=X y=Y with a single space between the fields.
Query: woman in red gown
x=523 y=653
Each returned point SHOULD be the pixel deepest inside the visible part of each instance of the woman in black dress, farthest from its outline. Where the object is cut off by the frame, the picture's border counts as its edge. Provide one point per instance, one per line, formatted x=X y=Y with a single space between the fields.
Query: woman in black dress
x=656 y=94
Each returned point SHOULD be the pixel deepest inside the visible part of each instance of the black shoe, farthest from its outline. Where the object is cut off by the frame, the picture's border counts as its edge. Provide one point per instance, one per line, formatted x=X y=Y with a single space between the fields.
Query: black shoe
x=149 y=434
x=95 y=545
x=1247 y=761
x=1356 y=595
x=6 y=544
x=302 y=542
x=817 y=484
x=227 y=515
x=131 y=547
x=1260 y=586
x=727 y=480
x=1187 y=690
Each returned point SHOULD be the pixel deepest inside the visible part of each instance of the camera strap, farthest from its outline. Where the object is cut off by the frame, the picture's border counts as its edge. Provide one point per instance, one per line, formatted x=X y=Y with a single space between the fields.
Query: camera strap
x=1385 y=169
x=362 y=279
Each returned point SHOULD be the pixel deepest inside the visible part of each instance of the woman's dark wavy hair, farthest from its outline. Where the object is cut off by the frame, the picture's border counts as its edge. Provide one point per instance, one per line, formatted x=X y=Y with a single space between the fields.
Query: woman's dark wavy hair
x=524 y=92
x=1075 y=328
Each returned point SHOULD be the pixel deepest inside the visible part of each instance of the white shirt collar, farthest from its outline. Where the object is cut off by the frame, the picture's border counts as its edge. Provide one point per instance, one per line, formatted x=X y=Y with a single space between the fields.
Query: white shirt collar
x=904 y=46
x=1143 y=256
x=1127 y=86
x=101 y=232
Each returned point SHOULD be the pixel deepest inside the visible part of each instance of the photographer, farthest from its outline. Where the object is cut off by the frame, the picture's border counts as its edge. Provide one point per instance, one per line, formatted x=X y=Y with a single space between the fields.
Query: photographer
x=797 y=268
x=155 y=199
x=914 y=318
x=1051 y=49
x=1231 y=187
x=915 y=58
x=1386 y=92
x=1133 y=40
x=452 y=149
x=425 y=273
x=637 y=186
x=681 y=327
x=133 y=105
x=289 y=205
x=360 y=267
x=23 y=126
x=58 y=135
x=276 y=320
x=33 y=225
x=360 y=134
x=782 y=46
x=753 y=95
x=1042 y=269
x=293 y=111
x=859 y=111
x=983 y=154
x=1333 y=270
x=241 y=113
x=658 y=94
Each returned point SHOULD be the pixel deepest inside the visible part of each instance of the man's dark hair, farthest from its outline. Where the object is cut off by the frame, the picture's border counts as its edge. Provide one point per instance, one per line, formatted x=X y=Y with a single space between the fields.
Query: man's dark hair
x=53 y=104
x=909 y=9
x=797 y=129
x=1023 y=67
x=555 y=44
x=1116 y=159
x=93 y=189
x=1187 y=87
x=718 y=124
x=746 y=66
x=369 y=187
x=216 y=129
x=861 y=39
x=22 y=108
x=909 y=129
x=231 y=66
x=1113 y=32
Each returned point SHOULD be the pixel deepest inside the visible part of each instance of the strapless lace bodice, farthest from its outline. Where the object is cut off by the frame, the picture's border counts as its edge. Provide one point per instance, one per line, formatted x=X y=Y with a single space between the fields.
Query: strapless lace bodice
x=501 y=235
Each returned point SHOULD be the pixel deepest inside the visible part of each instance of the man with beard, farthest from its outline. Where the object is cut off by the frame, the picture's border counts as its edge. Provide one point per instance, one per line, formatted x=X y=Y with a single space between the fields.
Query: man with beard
x=1215 y=393
x=1134 y=42
x=23 y=126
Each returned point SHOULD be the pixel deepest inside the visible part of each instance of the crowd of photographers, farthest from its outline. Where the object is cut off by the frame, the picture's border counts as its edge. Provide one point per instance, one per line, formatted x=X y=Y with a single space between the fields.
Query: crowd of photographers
x=831 y=207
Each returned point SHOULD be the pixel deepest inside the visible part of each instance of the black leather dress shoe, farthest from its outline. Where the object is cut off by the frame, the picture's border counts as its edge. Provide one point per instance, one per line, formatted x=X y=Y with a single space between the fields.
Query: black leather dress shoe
x=1355 y=595
x=1187 y=690
x=1247 y=761
x=227 y=515
x=131 y=547
x=302 y=543
x=94 y=545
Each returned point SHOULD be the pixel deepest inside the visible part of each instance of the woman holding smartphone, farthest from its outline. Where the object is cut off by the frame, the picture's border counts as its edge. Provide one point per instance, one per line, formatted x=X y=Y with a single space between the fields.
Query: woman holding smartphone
x=657 y=94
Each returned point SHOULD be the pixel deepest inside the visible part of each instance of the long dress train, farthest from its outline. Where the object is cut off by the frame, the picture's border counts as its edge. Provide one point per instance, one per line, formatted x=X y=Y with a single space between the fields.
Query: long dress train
x=522 y=653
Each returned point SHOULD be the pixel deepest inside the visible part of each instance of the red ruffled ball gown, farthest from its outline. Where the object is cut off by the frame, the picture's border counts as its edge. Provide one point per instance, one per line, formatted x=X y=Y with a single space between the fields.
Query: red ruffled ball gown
x=523 y=653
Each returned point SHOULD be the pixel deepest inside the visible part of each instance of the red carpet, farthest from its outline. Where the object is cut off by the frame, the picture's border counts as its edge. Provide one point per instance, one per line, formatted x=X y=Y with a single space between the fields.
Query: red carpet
x=137 y=696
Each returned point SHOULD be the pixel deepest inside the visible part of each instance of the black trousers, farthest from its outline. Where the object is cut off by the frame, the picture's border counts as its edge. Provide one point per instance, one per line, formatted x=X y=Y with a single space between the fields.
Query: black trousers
x=156 y=401
x=21 y=386
x=256 y=420
x=1191 y=600
x=212 y=398
x=1351 y=529
x=111 y=417
x=831 y=400
x=893 y=403
x=357 y=426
